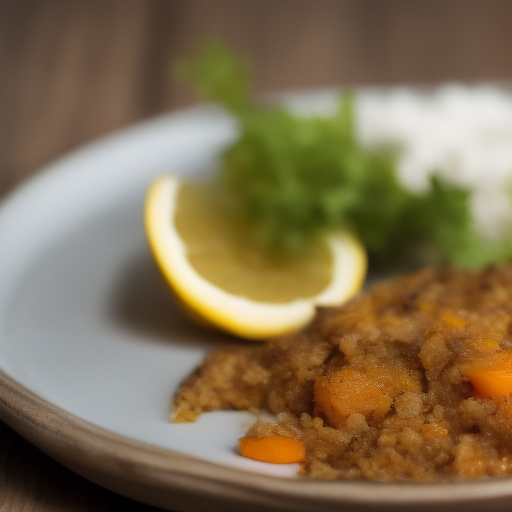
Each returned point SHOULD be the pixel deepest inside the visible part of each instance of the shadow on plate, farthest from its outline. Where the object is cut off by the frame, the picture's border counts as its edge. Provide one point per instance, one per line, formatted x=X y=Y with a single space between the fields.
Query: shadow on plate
x=142 y=301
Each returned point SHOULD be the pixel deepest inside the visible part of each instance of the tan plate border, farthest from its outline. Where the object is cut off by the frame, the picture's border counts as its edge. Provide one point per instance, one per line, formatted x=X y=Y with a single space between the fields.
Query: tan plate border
x=174 y=481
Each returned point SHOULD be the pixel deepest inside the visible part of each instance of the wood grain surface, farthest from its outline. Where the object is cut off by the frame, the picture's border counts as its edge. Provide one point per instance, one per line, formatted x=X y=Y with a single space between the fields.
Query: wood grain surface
x=73 y=70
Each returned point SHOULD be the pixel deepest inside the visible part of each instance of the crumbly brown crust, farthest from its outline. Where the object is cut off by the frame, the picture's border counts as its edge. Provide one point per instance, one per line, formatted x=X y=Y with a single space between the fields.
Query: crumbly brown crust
x=411 y=339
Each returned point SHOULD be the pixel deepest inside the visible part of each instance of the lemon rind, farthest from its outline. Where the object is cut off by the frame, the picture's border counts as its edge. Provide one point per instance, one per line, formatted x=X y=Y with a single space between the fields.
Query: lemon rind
x=239 y=315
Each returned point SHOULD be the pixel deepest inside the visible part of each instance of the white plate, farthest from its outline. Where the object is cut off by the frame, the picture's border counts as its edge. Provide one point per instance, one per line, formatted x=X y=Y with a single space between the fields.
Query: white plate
x=92 y=347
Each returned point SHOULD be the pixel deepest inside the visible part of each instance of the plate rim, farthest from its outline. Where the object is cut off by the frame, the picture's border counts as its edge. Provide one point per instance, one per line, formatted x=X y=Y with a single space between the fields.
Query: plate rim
x=168 y=479
x=174 y=481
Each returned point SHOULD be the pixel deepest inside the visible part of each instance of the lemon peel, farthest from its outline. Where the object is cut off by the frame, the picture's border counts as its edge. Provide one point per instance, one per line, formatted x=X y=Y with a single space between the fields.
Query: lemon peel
x=213 y=306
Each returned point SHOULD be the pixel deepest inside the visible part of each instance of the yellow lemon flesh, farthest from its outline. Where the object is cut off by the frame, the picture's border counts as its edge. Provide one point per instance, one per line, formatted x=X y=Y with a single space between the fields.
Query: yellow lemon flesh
x=222 y=281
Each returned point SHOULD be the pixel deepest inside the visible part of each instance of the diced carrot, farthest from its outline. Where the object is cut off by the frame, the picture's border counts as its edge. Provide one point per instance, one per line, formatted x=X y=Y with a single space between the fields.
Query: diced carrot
x=276 y=449
x=492 y=344
x=370 y=393
x=453 y=320
x=342 y=393
x=492 y=380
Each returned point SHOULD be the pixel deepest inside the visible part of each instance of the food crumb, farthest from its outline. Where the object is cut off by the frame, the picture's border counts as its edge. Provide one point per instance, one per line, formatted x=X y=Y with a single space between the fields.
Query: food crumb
x=410 y=381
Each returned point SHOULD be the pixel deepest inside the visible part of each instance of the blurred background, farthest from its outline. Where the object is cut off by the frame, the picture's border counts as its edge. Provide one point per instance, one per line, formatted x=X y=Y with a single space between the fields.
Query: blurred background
x=74 y=70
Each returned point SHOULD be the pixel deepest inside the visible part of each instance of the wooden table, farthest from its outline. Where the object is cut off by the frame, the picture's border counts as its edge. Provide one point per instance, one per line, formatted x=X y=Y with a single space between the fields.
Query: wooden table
x=74 y=70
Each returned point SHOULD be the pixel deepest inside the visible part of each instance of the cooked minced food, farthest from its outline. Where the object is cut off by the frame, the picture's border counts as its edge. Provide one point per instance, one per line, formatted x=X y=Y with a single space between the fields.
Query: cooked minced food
x=409 y=381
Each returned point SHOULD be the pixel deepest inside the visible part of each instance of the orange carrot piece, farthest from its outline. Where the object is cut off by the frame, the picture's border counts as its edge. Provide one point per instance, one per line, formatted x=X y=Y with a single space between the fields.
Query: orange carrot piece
x=490 y=343
x=276 y=449
x=339 y=394
x=370 y=393
x=453 y=320
x=493 y=381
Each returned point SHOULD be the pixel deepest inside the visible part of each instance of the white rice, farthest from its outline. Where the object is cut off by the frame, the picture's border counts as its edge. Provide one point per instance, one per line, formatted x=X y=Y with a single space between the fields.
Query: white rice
x=463 y=133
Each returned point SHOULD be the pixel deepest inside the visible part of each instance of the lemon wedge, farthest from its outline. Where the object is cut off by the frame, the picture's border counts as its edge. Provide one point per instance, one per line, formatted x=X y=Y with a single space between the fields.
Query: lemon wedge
x=222 y=282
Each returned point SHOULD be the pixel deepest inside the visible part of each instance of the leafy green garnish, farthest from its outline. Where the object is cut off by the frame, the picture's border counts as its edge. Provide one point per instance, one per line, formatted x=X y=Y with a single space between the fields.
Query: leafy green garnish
x=218 y=75
x=293 y=177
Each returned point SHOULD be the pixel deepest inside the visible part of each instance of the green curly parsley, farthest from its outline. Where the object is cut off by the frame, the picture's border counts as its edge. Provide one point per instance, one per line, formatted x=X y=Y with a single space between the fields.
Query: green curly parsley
x=293 y=177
